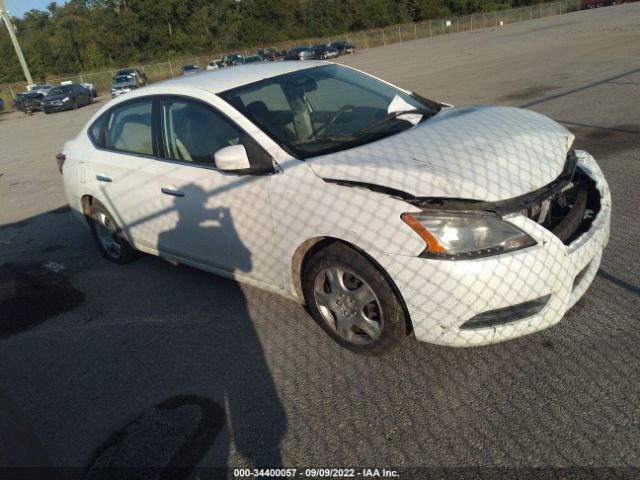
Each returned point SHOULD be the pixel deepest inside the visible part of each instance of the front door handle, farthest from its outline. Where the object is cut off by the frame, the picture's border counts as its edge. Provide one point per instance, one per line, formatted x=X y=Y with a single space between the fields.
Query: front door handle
x=103 y=178
x=171 y=191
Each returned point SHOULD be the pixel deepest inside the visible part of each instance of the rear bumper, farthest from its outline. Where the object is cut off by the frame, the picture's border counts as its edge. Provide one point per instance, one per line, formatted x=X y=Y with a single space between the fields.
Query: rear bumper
x=441 y=296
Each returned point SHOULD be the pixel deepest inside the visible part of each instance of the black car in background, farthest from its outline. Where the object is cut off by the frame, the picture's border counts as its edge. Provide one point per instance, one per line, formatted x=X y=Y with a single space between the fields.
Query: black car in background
x=343 y=47
x=29 y=101
x=233 y=59
x=322 y=52
x=139 y=77
x=189 y=69
x=300 y=53
x=253 y=59
x=66 y=97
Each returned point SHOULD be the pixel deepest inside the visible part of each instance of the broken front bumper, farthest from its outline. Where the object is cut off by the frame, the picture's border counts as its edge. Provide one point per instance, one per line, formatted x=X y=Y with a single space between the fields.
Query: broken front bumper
x=488 y=300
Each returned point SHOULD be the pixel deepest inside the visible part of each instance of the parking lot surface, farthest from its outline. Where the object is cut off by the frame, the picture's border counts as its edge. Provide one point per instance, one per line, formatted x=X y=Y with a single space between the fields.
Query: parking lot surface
x=86 y=346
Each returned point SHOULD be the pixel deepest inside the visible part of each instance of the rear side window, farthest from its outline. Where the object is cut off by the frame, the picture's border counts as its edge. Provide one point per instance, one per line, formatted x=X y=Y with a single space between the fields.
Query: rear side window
x=96 y=131
x=129 y=129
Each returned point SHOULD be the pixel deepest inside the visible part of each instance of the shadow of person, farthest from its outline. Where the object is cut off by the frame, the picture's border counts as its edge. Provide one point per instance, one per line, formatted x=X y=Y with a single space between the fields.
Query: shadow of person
x=239 y=375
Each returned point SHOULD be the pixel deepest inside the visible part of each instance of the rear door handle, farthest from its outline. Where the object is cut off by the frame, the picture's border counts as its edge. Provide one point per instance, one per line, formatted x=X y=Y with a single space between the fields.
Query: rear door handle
x=170 y=191
x=103 y=178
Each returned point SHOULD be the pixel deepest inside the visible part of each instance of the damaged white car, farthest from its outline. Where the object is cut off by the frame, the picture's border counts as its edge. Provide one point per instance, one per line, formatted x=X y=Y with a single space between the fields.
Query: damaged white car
x=387 y=214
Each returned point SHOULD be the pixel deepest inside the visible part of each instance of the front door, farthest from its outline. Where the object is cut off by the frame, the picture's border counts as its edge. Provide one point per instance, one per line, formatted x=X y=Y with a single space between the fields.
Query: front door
x=218 y=219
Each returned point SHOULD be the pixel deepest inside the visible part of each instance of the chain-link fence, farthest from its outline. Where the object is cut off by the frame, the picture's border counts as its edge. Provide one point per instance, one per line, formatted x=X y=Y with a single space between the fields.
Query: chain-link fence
x=361 y=40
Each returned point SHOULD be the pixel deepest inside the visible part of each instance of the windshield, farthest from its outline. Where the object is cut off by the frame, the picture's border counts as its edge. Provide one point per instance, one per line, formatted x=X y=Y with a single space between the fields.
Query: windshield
x=324 y=109
x=60 y=90
x=123 y=79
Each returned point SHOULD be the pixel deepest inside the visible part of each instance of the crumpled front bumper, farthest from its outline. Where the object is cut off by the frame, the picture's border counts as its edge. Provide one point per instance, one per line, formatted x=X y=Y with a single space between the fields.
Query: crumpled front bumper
x=442 y=295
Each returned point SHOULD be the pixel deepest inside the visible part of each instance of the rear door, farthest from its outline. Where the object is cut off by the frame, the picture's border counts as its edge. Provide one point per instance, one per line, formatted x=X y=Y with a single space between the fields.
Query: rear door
x=123 y=169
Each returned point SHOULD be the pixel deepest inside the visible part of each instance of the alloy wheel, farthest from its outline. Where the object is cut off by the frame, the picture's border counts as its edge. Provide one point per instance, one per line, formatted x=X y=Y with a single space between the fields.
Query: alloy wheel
x=348 y=305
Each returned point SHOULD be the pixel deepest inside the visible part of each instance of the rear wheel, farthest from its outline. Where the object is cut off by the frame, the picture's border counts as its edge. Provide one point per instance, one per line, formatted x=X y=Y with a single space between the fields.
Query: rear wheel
x=111 y=241
x=352 y=301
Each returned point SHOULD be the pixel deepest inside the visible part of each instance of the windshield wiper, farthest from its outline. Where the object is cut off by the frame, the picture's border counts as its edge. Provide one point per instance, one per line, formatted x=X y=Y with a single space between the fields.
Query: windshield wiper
x=325 y=139
x=393 y=116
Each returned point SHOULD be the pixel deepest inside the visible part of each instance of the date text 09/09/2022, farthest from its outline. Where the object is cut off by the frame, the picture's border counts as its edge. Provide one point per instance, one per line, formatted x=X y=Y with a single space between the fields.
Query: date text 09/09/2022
x=315 y=473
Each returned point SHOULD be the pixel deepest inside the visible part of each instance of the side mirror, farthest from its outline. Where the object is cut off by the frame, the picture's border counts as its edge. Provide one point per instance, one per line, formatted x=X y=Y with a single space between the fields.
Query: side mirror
x=232 y=159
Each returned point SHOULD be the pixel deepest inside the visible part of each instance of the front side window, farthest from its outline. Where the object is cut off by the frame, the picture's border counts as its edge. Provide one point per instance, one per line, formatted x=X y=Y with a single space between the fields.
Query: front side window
x=129 y=128
x=194 y=132
x=64 y=90
x=324 y=109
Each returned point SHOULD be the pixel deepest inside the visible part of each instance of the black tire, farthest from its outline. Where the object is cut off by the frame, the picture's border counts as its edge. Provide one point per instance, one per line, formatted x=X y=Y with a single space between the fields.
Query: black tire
x=46 y=112
x=391 y=316
x=120 y=251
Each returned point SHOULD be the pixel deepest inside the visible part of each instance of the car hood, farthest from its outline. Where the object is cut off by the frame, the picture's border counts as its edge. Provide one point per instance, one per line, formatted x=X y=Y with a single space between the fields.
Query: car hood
x=483 y=153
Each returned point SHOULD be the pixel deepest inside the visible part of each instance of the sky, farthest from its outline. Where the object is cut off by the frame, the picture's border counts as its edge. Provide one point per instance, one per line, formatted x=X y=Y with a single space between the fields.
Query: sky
x=18 y=7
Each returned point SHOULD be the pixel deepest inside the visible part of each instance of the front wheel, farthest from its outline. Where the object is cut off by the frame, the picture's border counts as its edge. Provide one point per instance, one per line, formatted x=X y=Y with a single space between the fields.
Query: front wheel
x=108 y=235
x=353 y=301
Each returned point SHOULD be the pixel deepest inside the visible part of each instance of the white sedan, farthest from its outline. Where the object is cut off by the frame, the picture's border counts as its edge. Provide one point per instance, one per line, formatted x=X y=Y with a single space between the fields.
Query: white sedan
x=386 y=213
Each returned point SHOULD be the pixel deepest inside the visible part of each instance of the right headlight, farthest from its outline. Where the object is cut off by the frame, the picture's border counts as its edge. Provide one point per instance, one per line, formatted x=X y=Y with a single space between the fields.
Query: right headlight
x=454 y=236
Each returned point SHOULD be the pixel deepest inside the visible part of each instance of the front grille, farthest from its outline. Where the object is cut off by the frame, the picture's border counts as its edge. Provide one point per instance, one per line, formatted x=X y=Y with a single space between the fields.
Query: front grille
x=569 y=212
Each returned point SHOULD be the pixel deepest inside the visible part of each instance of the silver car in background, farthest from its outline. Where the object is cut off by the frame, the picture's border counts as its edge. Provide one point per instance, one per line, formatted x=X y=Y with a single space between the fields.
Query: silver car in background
x=123 y=84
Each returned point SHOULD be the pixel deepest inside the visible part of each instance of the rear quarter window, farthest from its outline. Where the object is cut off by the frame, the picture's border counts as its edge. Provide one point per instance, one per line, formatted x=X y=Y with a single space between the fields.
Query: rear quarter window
x=96 y=131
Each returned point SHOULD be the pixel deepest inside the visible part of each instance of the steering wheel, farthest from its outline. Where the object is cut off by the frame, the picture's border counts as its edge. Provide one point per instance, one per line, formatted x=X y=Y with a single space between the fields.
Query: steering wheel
x=335 y=118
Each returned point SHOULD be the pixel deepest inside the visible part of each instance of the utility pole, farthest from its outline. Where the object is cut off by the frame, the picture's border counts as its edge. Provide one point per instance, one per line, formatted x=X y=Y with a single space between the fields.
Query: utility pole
x=16 y=45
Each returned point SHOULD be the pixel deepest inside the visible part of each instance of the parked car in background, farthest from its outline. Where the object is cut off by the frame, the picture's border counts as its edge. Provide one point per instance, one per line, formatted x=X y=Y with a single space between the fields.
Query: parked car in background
x=66 y=97
x=272 y=54
x=253 y=59
x=43 y=89
x=29 y=101
x=323 y=52
x=300 y=53
x=233 y=59
x=123 y=84
x=343 y=47
x=215 y=64
x=189 y=69
x=138 y=75
x=1 y=105
x=601 y=3
x=92 y=89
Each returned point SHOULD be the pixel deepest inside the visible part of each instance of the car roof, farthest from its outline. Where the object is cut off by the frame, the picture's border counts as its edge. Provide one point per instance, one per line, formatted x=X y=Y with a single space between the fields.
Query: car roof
x=223 y=79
